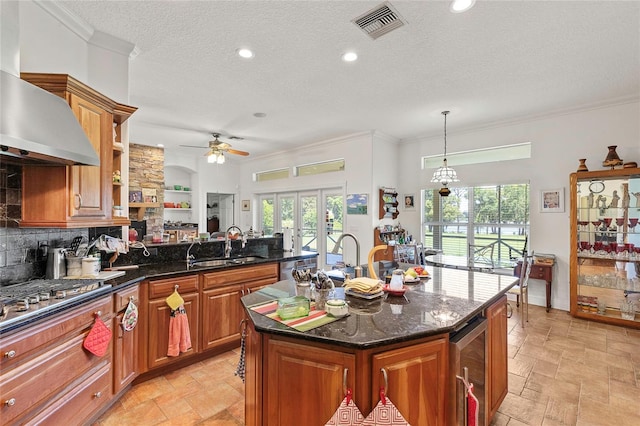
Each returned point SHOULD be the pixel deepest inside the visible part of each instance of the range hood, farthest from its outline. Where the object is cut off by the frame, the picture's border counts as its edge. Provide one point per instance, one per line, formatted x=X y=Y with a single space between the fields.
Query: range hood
x=39 y=127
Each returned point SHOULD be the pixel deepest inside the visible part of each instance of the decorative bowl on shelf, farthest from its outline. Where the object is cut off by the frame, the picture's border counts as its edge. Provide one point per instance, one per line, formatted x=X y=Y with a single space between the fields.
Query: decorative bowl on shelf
x=169 y=205
x=177 y=187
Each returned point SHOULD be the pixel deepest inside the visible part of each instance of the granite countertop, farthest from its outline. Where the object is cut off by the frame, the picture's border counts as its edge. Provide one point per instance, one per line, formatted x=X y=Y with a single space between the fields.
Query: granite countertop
x=151 y=270
x=443 y=303
x=165 y=269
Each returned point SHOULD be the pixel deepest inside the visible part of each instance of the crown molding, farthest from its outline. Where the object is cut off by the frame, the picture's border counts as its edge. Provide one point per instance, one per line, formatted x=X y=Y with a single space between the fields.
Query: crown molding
x=86 y=32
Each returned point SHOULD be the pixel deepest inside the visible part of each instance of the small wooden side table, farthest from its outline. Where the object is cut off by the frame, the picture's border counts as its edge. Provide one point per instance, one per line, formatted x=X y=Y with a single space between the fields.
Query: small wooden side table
x=540 y=271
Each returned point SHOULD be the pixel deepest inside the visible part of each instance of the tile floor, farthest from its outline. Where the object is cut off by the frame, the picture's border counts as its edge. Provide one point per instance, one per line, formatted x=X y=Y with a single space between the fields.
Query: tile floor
x=562 y=371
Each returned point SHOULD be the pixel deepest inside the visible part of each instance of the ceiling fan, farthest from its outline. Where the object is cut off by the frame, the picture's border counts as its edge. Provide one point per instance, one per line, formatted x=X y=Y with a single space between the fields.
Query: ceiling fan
x=217 y=149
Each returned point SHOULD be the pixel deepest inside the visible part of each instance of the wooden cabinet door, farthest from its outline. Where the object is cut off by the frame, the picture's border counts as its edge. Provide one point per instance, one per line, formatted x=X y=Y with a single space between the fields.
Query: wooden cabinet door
x=252 y=376
x=304 y=386
x=158 y=329
x=125 y=354
x=87 y=185
x=417 y=381
x=497 y=356
x=221 y=316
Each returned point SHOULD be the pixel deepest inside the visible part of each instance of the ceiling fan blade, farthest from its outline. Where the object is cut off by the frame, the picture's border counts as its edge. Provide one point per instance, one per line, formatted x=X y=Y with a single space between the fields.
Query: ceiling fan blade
x=236 y=152
x=195 y=146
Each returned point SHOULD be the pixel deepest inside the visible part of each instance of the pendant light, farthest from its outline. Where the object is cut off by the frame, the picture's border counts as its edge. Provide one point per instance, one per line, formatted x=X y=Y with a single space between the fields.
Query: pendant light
x=445 y=174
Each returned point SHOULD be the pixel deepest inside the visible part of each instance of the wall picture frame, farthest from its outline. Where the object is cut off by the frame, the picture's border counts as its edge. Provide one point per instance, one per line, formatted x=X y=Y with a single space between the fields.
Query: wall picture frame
x=357 y=203
x=246 y=205
x=135 y=197
x=409 y=201
x=552 y=200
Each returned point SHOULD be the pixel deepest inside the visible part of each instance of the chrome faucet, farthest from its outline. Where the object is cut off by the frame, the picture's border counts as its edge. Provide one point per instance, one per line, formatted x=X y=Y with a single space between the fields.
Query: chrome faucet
x=358 y=268
x=227 y=241
x=191 y=257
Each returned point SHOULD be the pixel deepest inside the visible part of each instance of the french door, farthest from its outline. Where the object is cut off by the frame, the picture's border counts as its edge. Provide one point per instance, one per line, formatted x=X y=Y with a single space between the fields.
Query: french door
x=316 y=218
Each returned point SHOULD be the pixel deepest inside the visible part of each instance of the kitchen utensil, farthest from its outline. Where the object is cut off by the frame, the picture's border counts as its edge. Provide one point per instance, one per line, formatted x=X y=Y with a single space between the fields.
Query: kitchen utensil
x=75 y=243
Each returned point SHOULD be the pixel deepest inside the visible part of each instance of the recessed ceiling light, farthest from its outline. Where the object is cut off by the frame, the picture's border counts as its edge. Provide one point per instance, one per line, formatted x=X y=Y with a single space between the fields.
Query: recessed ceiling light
x=350 y=57
x=458 y=6
x=260 y=114
x=245 y=53
x=160 y=145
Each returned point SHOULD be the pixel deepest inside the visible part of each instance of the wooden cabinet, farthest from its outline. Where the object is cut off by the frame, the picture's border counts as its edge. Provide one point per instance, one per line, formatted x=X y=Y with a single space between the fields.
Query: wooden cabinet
x=388 y=204
x=604 y=266
x=158 y=318
x=383 y=238
x=416 y=381
x=125 y=343
x=309 y=379
x=497 y=357
x=75 y=196
x=282 y=373
x=222 y=310
x=50 y=376
x=214 y=310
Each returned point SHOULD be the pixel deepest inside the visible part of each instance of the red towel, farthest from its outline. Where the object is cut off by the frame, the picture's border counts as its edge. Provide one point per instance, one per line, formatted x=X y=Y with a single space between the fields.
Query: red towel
x=472 y=407
x=179 y=334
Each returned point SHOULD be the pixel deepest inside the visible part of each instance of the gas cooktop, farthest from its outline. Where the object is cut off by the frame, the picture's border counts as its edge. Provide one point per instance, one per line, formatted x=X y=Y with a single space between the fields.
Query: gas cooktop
x=32 y=299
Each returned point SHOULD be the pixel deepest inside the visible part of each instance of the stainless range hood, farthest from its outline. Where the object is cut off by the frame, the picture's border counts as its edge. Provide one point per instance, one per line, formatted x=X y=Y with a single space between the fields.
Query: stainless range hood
x=35 y=126
x=39 y=127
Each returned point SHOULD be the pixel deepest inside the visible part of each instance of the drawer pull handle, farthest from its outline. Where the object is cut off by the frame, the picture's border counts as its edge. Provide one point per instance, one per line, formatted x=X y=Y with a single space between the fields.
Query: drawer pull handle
x=97 y=395
x=10 y=402
x=10 y=354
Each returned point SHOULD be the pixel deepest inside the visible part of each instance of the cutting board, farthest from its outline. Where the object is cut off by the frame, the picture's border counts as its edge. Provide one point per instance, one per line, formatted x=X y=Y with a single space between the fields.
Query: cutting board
x=102 y=275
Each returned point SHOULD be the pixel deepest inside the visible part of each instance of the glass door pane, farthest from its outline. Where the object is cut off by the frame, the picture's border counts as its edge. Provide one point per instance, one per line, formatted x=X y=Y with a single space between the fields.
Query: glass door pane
x=334 y=221
x=286 y=204
x=267 y=214
x=308 y=231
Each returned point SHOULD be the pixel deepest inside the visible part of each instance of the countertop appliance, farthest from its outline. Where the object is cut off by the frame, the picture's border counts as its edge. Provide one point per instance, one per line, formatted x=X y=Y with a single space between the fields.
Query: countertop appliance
x=20 y=302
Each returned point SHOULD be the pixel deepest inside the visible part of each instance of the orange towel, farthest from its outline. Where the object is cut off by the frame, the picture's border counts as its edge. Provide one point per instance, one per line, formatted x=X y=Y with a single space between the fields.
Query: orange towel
x=179 y=334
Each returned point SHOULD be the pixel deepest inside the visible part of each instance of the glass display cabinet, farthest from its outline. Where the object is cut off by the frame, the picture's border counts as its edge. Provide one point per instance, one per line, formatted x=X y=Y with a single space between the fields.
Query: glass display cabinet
x=605 y=246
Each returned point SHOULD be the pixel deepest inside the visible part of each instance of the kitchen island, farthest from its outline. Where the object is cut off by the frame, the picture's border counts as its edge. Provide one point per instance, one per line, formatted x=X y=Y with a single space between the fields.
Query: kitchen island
x=407 y=345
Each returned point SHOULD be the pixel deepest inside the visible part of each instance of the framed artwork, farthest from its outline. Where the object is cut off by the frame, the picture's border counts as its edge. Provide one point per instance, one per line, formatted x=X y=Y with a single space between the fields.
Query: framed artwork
x=246 y=205
x=409 y=202
x=357 y=203
x=135 y=196
x=552 y=200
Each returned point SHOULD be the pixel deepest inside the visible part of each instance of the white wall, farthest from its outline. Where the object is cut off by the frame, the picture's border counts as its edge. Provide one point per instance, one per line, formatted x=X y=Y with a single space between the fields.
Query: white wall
x=557 y=142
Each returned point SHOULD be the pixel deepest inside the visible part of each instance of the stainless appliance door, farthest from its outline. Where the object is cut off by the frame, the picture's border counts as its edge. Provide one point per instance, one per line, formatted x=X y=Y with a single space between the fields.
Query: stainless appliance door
x=468 y=352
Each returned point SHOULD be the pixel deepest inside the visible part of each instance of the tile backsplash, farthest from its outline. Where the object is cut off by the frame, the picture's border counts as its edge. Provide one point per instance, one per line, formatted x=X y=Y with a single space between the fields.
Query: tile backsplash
x=21 y=258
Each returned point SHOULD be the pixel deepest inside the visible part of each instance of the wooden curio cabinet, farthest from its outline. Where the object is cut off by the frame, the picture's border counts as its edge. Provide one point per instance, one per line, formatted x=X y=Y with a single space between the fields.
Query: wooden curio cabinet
x=605 y=246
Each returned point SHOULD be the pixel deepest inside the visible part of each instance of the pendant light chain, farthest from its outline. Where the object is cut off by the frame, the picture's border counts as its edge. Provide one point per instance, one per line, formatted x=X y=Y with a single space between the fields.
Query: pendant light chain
x=445 y=134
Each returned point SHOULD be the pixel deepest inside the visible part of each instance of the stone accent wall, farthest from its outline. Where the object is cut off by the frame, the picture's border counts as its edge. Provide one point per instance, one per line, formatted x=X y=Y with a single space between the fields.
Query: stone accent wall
x=146 y=170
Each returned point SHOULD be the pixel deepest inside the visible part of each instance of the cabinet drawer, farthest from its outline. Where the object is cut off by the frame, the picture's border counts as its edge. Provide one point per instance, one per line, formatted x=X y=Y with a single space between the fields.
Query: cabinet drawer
x=163 y=288
x=239 y=275
x=23 y=345
x=121 y=298
x=31 y=384
x=79 y=404
x=539 y=272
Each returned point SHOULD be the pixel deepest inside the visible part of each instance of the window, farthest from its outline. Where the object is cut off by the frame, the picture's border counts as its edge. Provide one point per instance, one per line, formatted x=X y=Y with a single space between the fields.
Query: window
x=321 y=167
x=480 y=216
x=271 y=175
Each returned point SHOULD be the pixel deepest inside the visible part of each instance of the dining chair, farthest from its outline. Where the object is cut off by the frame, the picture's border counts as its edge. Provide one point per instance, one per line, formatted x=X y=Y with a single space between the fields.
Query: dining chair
x=481 y=255
x=521 y=290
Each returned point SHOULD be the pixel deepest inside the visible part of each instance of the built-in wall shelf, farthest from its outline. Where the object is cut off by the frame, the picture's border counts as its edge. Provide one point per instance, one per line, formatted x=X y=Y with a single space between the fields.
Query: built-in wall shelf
x=142 y=208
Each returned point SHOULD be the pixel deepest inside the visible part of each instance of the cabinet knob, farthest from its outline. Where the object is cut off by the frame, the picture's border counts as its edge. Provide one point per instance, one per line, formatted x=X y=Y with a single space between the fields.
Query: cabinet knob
x=10 y=354
x=10 y=402
x=97 y=394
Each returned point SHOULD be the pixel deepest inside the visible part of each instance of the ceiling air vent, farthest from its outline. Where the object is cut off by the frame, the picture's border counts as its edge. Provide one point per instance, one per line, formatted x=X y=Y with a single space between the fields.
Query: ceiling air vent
x=380 y=20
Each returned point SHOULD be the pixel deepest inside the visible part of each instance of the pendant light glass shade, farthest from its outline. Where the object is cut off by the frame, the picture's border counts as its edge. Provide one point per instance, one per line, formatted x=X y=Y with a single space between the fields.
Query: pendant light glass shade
x=445 y=174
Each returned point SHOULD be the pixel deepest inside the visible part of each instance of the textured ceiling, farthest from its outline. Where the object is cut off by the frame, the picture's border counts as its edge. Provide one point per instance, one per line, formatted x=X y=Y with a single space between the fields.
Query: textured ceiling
x=500 y=61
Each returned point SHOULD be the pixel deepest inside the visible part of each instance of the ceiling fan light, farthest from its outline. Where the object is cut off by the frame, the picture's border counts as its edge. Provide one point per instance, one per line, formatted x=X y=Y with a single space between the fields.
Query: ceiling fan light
x=212 y=158
x=220 y=159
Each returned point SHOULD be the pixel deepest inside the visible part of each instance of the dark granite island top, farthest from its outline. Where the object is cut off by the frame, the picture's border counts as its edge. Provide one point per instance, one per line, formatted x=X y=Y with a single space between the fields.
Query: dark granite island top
x=443 y=303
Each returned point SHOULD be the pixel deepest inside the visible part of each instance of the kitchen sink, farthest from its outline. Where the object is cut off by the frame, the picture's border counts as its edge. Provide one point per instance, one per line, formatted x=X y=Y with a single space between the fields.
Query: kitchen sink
x=245 y=259
x=223 y=262
x=209 y=263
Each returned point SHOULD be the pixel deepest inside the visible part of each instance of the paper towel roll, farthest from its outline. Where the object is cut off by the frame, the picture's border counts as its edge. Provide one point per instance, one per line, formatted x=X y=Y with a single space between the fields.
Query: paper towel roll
x=287 y=239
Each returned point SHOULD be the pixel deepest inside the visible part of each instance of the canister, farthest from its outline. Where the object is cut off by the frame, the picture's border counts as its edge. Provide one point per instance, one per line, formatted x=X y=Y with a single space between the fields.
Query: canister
x=90 y=266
